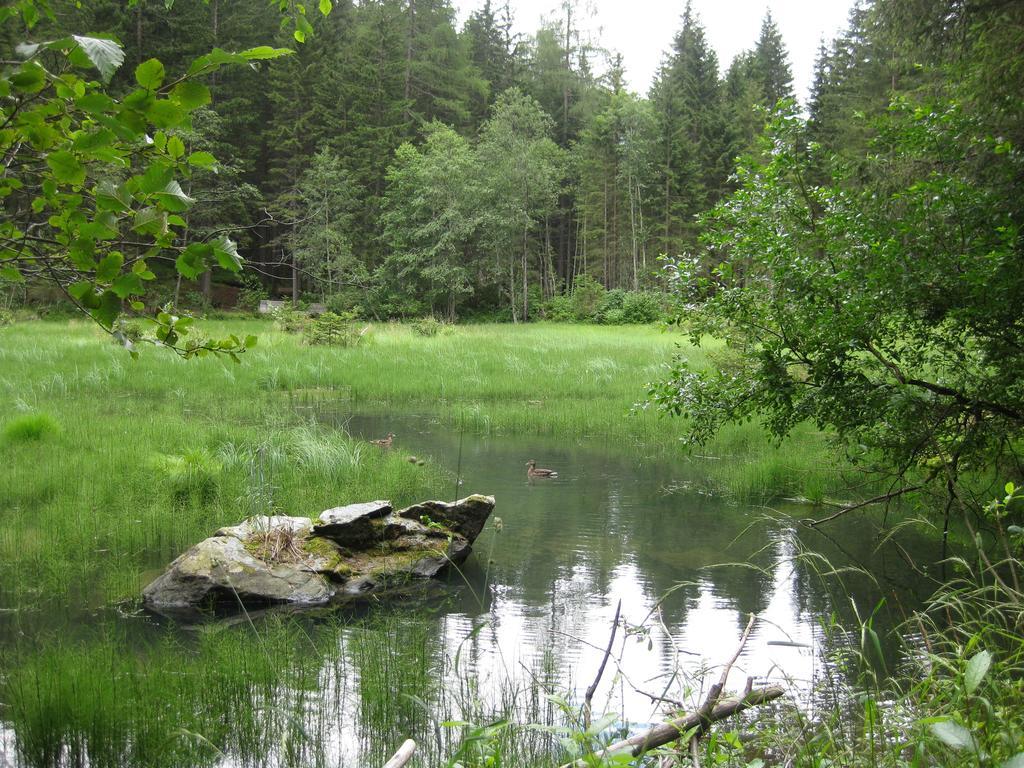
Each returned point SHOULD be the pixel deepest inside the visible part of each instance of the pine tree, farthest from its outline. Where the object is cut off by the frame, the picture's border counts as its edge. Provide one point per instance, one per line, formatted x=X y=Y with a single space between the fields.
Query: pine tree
x=687 y=100
x=770 y=65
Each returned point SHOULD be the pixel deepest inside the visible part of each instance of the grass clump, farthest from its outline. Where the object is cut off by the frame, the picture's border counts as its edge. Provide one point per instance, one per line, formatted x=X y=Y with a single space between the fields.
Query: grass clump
x=30 y=427
x=190 y=475
x=430 y=326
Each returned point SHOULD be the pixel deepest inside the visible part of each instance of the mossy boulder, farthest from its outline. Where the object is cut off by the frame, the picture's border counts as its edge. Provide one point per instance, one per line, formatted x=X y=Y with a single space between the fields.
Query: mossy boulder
x=350 y=551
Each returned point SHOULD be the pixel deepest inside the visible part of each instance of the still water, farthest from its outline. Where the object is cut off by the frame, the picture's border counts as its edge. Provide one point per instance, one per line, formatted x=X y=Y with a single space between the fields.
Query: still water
x=535 y=604
x=688 y=569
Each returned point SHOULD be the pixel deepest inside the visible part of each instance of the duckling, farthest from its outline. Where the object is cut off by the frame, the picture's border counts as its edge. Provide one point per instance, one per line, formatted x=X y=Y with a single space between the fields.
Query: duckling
x=385 y=442
x=533 y=471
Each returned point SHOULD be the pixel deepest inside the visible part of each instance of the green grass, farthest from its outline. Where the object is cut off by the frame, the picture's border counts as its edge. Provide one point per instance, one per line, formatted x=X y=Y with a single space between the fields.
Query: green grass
x=156 y=453
x=31 y=426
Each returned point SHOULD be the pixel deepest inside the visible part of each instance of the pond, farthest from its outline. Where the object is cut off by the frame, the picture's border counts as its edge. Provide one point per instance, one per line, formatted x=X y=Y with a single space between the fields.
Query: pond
x=528 y=615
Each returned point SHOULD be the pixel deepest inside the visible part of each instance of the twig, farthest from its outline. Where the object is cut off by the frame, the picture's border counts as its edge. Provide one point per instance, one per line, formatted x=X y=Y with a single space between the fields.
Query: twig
x=869 y=502
x=716 y=690
x=588 y=698
x=403 y=755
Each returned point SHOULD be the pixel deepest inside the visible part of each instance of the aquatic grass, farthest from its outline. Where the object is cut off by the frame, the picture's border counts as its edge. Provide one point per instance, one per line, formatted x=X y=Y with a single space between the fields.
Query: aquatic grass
x=193 y=473
x=30 y=427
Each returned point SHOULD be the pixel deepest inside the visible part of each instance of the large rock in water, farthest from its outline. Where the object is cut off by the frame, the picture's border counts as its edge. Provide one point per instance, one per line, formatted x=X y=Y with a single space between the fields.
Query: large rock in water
x=350 y=550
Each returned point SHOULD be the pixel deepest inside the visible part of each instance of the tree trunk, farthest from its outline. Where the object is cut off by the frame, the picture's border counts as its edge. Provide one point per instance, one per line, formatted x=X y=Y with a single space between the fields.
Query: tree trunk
x=295 y=281
x=526 y=297
x=408 y=59
x=632 y=233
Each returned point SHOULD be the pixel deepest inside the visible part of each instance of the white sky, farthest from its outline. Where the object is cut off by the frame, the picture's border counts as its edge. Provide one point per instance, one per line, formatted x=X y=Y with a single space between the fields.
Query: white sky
x=642 y=30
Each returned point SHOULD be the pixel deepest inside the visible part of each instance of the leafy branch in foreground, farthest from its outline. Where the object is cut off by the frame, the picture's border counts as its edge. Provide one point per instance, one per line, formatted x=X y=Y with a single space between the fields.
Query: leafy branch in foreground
x=882 y=305
x=90 y=182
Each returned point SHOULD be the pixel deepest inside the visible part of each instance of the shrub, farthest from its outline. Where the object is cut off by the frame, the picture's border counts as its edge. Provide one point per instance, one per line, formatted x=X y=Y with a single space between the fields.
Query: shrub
x=289 y=320
x=6 y=318
x=611 y=302
x=31 y=426
x=252 y=293
x=348 y=301
x=197 y=302
x=330 y=329
x=642 y=307
x=430 y=326
x=560 y=309
x=587 y=295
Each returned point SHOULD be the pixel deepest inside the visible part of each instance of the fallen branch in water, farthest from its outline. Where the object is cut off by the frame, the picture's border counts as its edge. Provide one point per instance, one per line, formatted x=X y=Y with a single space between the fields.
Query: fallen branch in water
x=673 y=730
x=695 y=724
x=860 y=505
x=403 y=755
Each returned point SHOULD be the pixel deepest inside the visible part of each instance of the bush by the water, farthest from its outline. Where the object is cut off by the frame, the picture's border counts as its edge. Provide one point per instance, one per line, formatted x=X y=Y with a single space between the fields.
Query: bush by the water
x=330 y=329
x=31 y=426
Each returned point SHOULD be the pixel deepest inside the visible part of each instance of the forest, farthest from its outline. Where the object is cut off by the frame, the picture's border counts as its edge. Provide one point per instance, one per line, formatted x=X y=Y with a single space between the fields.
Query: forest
x=403 y=166
x=725 y=362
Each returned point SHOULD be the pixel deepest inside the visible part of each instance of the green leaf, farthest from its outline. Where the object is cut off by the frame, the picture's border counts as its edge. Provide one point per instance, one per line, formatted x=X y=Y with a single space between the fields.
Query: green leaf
x=264 y=52
x=977 y=668
x=191 y=95
x=213 y=61
x=11 y=275
x=156 y=178
x=175 y=147
x=150 y=74
x=250 y=342
x=109 y=267
x=108 y=309
x=192 y=261
x=81 y=291
x=112 y=197
x=202 y=160
x=66 y=167
x=226 y=252
x=173 y=198
x=166 y=114
x=105 y=55
x=126 y=285
x=29 y=79
x=325 y=7
x=953 y=735
x=150 y=221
